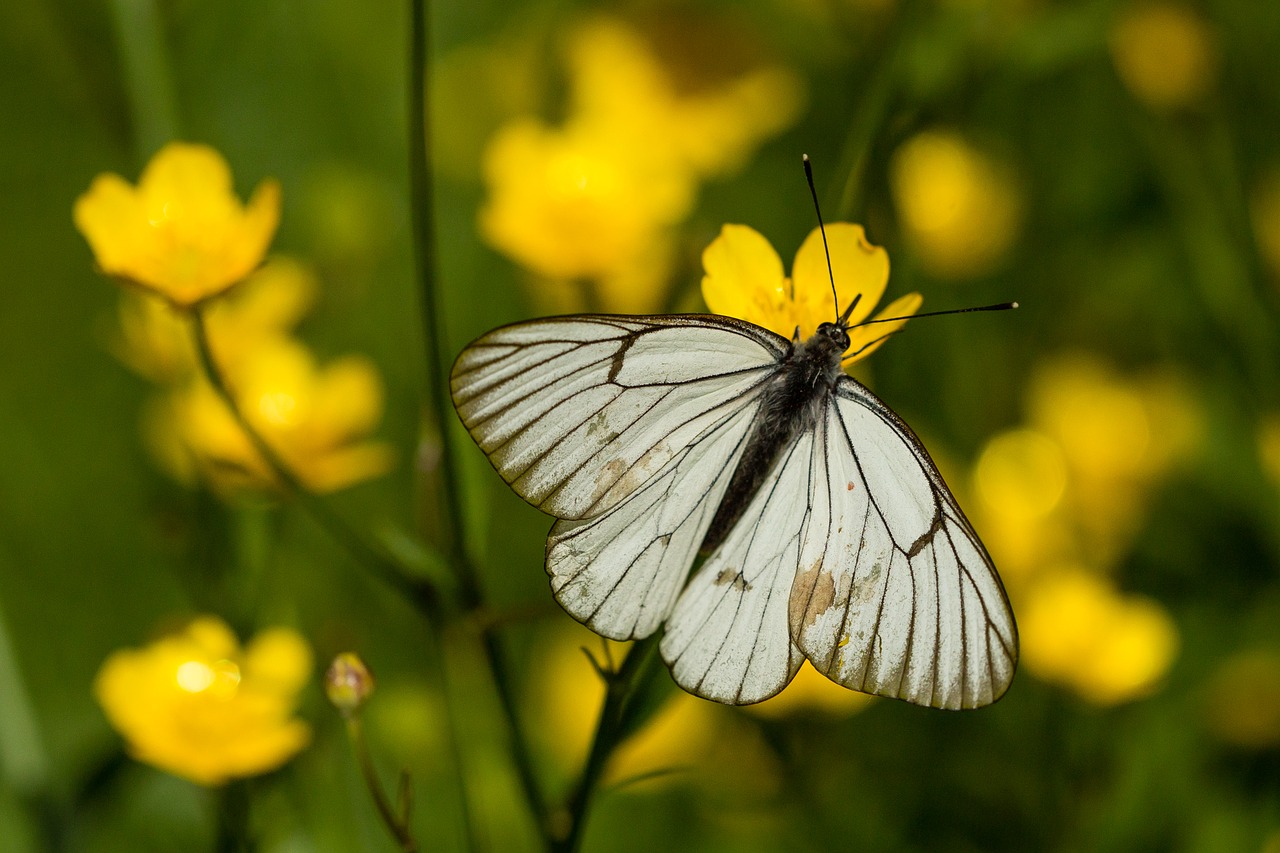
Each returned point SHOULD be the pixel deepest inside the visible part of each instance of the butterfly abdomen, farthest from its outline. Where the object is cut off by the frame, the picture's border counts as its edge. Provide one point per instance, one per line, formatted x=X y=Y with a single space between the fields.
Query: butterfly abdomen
x=793 y=403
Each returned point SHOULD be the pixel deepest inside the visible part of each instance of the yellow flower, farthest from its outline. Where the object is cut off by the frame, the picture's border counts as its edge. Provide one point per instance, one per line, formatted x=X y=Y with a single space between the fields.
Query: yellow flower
x=156 y=340
x=1165 y=54
x=960 y=209
x=745 y=279
x=314 y=418
x=181 y=233
x=1077 y=630
x=569 y=204
x=198 y=706
x=1118 y=435
x=703 y=108
x=590 y=206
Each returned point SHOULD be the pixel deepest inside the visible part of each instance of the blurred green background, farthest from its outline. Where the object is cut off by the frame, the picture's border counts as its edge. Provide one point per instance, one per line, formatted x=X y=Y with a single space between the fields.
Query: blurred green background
x=1112 y=166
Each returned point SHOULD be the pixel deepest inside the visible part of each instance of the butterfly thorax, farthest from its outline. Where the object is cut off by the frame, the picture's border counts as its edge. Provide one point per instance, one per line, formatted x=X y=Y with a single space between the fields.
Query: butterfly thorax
x=793 y=402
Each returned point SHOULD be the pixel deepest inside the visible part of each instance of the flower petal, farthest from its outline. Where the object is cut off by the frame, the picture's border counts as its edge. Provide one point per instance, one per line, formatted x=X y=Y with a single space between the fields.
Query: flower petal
x=865 y=340
x=857 y=266
x=744 y=276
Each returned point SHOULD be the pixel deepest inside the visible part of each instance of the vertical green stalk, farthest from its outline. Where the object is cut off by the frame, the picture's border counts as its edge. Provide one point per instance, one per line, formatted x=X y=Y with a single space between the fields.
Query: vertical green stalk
x=148 y=82
x=422 y=204
x=869 y=115
x=611 y=729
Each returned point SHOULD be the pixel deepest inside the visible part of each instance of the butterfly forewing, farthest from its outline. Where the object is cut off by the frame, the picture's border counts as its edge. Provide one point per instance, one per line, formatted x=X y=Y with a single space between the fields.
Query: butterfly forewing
x=576 y=413
x=619 y=572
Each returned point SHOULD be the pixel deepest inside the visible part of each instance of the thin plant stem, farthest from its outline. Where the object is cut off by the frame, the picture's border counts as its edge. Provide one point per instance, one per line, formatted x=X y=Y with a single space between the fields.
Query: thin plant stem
x=397 y=823
x=424 y=594
x=869 y=115
x=611 y=729
x=422 y=205
x=147 y=78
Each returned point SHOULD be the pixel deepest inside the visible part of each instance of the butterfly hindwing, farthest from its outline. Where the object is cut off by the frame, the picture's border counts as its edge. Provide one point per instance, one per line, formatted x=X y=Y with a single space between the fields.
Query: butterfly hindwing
x=728 y=637
x=619 y=572
x=895 y=595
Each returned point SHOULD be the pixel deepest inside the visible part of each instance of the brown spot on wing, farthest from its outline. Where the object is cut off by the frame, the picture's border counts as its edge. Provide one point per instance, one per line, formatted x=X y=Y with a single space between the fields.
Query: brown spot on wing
x=812 y=594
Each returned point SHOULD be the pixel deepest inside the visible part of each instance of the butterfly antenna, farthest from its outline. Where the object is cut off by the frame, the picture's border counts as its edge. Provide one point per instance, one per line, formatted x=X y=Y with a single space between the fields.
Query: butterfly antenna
x=822 y=229
x=871 y=343
x=1000 y=306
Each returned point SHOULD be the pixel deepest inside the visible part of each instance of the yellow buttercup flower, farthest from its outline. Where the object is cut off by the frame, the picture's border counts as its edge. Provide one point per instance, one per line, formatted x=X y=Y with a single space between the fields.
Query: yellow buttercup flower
x=181 y=232
x=314 y=418
x=197 y=705
x=960 y=208
x=705 y=116
x=590 y=206
x=569 y=204
x=156 y=340
x=1077 y=630
x=745 y=279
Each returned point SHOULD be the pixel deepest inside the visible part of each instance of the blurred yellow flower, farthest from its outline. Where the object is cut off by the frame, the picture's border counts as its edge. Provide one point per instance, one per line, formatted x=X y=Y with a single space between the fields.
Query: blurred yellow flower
x=572 y=204
x=181 y=233
x=704 y=111
x=156 y=341
x=314 y=418
x=1165 y=53
x=1077 y=630
x=195 y=704
x=1117 y=435
x=745 y=279
x=590 y=206
x=1243 y=700
x=960 y=209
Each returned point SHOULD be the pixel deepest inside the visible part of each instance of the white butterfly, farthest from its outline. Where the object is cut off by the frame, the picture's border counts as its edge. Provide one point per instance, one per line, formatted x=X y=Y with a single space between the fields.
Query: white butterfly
x=830 y=534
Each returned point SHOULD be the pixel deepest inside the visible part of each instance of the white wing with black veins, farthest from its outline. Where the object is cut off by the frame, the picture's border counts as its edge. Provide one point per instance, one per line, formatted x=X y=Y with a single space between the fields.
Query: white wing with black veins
x=894 y=594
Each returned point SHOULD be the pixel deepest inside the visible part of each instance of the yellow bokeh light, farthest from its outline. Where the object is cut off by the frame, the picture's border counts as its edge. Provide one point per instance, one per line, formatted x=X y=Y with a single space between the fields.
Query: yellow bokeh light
x=960 y=208
x=1165 y=53
x=1021 y=474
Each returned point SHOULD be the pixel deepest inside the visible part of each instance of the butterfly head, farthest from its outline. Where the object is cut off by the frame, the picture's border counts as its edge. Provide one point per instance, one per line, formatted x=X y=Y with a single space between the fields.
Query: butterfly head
x=836 y=334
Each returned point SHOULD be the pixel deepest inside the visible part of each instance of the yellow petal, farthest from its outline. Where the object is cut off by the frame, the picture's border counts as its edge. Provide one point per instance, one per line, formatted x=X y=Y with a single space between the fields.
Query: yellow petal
x=280 y=657
x=859 y=270
x=865 y=340
x=348 y=399
x=744 y=276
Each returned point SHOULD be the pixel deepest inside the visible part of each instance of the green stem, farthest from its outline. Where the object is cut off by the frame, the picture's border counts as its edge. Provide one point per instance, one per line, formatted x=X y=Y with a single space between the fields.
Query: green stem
x=869 y=116
x=424 y=594
x=148 y=82
x=233 y=819
x=611 y=729
x=397 y=823
x=422 y=204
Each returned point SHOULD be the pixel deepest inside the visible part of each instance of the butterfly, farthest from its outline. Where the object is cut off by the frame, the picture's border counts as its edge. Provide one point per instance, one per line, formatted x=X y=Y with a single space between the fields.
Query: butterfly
x=825 y=530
